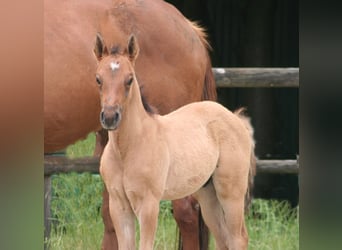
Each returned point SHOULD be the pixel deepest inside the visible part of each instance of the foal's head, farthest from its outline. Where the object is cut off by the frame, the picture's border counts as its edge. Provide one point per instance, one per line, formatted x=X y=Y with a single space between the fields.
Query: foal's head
x=115 y=77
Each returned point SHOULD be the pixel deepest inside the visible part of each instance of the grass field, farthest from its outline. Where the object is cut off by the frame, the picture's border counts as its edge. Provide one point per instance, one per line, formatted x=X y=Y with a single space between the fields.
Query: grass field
x=77 y=223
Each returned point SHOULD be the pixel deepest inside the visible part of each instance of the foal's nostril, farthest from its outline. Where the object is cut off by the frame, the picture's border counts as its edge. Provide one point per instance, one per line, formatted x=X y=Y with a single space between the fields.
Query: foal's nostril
x=116 y=116
x=102 y=118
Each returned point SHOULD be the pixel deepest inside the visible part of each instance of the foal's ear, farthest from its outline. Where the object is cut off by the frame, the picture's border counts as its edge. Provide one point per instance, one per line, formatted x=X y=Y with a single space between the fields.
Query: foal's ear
x=132 y=47
x=100 y=48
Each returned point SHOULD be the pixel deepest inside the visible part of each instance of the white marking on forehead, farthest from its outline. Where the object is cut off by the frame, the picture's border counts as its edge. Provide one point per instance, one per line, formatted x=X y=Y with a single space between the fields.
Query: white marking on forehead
x=114 y=66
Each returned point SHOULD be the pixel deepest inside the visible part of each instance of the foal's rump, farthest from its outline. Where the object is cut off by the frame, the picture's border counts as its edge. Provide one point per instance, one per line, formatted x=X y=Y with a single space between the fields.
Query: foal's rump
x=198 y=135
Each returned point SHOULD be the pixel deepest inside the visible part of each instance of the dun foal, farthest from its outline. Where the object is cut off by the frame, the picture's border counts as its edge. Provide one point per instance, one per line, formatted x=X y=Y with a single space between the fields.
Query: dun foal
x=201 y=149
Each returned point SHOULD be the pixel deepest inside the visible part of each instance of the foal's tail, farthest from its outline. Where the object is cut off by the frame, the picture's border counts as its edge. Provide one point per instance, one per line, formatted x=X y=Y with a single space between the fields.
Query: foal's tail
x=252 y=169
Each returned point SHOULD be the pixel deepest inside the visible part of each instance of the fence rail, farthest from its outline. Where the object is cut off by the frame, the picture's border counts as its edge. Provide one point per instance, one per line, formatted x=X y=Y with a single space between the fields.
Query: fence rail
x=62 y=164
x=256 y=77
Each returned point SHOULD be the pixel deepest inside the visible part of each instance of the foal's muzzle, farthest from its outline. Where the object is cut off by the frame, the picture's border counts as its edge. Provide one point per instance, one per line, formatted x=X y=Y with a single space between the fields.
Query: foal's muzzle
x=110 y=117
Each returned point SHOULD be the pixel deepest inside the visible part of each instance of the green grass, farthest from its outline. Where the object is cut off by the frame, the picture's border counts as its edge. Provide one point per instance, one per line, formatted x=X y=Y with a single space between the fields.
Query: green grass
x=273 y=225
x=75 y=205
x=77 y=223
x=82 y=148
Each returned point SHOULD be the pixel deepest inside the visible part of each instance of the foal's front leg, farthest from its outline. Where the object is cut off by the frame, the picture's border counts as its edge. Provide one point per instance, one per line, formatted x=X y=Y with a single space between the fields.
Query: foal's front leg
x=123 y=220
x=146 y=208
x=120 y=210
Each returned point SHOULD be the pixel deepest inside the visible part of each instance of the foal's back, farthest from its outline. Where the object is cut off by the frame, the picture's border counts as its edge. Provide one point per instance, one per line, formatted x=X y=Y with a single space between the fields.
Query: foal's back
x=218 y=122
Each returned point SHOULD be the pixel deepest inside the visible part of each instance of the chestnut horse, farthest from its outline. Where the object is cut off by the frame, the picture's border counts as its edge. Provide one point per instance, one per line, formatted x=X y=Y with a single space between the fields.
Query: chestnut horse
x=201 y=148
x=173 y=69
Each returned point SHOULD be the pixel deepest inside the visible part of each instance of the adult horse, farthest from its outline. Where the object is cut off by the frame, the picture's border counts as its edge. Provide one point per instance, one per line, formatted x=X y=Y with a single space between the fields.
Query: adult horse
x=71 y=100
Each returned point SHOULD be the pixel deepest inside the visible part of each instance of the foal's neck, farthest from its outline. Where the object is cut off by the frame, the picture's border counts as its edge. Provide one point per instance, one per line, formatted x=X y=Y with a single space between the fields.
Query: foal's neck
x=135 y=120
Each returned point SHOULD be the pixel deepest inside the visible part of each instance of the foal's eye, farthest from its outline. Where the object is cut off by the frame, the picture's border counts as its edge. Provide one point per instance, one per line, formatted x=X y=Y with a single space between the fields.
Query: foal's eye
x=129 y=81
x=98 y=80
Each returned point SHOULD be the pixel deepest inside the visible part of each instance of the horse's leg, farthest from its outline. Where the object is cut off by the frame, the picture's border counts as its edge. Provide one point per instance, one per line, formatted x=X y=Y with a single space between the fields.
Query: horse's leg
x=146 y=208
x=186 y=214
x=109 y=241
x=213 y=215
x=234 y=217
x=231 y=192
x=101 y=142
x=120 y=210
x=123 y=219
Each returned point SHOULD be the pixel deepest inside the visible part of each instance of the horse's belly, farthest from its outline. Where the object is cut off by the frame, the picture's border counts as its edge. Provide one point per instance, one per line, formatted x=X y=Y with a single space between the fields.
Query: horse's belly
x=189 y=173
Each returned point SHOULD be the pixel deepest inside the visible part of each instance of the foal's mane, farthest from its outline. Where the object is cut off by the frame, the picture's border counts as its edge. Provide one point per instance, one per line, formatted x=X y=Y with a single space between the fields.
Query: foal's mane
x=149 y=109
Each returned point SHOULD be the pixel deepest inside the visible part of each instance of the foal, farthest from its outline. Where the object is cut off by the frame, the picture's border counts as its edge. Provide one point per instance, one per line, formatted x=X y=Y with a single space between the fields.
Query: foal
x=201 y=149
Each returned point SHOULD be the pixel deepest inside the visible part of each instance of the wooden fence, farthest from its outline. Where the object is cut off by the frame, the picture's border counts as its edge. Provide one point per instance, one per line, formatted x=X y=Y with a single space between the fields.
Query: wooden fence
x=256 y=77
x=62 y=164
x=225 y=77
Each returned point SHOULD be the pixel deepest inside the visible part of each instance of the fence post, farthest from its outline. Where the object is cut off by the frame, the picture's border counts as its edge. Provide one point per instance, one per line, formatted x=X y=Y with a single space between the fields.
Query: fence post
x=47 y=211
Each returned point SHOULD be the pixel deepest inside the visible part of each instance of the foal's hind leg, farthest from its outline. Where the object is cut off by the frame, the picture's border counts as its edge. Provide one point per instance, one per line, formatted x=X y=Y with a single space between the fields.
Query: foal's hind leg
x=213 y=215
x=231 y=187
x=234 y=217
